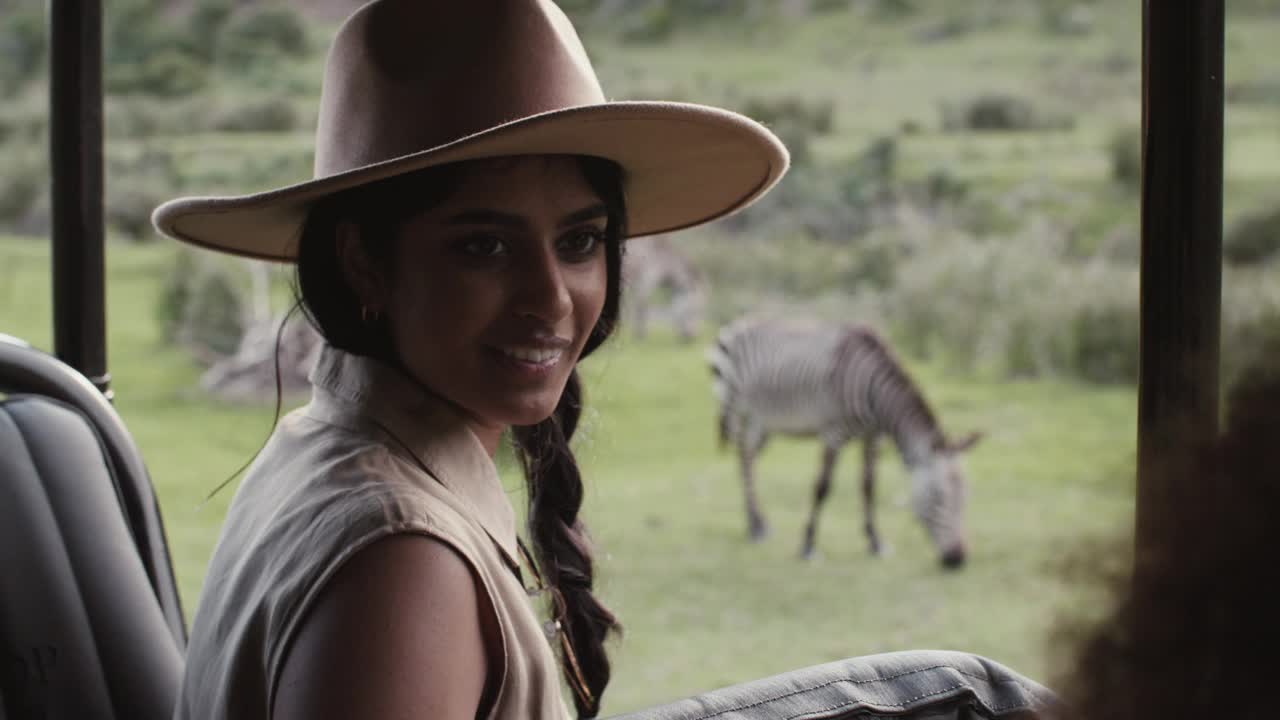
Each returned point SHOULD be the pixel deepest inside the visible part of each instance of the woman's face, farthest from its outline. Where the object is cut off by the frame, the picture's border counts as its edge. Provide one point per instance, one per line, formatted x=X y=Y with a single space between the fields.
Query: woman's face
x=491 y=294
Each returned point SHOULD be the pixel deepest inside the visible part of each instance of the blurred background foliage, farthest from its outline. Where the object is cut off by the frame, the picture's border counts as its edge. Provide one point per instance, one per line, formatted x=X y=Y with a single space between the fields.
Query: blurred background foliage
x=965 y=173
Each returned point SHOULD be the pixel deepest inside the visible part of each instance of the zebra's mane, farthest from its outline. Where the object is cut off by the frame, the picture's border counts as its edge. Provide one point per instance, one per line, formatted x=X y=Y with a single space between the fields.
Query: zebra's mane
x=917 y=411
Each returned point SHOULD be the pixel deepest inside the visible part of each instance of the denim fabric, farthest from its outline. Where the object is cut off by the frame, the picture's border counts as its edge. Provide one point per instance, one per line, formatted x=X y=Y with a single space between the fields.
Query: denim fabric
x=923 y=684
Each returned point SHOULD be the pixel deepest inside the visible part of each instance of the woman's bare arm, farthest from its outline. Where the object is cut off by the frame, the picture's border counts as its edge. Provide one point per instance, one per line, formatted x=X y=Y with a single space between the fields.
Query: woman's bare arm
x=397 y=633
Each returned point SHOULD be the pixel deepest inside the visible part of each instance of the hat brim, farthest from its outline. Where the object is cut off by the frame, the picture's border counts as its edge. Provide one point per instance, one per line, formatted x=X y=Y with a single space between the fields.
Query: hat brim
x=684 y=164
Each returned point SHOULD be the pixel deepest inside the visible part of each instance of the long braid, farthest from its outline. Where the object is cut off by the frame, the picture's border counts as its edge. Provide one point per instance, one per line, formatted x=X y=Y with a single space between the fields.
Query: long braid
x=561 y=544
x=563 y=549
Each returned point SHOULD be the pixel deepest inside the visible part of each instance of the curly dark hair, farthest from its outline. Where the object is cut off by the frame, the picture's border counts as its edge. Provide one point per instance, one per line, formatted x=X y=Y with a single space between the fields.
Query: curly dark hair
x=1195 y=635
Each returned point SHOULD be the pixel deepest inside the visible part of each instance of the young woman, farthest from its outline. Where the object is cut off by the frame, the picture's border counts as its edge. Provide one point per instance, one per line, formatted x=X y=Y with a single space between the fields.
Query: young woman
x=459 y=249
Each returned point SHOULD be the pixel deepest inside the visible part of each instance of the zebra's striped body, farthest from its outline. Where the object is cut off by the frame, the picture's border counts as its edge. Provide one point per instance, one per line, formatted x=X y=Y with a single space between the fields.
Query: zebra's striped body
x=836 y=383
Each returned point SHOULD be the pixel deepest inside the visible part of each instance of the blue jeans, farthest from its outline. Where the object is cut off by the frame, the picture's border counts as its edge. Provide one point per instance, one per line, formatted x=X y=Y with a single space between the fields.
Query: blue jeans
x=932 y=684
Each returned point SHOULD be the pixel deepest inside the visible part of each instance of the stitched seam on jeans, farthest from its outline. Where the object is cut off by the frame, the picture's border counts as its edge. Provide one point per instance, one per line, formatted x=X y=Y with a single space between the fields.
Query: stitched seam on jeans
x=903 y=704
x=1011 y=706
x=864 y=682
x=993 y=708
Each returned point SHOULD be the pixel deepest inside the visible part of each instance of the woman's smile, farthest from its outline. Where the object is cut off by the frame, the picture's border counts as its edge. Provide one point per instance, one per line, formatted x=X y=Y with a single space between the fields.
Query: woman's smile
x=531 y=360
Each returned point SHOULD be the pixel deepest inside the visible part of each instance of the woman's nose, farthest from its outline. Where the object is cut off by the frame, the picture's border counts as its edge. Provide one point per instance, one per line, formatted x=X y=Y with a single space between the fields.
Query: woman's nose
x=543 y=291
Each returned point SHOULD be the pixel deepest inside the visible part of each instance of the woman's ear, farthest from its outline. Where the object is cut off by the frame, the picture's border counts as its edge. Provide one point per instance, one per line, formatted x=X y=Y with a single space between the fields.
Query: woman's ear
x=365 y=277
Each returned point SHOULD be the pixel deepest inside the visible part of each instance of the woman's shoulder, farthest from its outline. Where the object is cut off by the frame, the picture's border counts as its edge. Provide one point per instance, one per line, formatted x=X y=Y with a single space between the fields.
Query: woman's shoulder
x=315 y=503
x=318 y=494
x=401 y=601
x=313 y=471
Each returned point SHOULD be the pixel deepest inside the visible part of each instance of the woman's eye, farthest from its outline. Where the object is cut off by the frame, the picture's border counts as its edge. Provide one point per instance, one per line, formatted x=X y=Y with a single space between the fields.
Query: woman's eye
x=483 y=246
x=581 y=243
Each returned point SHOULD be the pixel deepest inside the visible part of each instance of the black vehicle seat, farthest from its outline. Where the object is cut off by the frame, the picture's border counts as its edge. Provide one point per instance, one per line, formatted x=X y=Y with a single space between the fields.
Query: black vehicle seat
x=90 y=623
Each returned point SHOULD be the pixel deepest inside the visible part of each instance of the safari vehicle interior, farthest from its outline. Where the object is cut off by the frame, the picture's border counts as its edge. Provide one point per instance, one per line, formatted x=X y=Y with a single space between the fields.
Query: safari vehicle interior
x=90 y=618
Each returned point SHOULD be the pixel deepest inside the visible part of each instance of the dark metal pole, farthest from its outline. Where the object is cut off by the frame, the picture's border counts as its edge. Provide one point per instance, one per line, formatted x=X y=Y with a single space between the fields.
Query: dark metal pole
x=1182 y=65
x=75 y=140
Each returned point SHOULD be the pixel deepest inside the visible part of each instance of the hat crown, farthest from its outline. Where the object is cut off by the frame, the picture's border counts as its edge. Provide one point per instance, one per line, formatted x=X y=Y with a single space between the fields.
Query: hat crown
x=404 y=76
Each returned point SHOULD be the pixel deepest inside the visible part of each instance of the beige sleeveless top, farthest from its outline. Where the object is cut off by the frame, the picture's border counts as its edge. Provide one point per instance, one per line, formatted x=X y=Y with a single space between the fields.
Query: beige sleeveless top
x=373 y=454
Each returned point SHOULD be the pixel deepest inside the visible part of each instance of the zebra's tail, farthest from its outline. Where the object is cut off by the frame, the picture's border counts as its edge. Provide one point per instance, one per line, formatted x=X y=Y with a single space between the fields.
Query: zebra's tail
x=722 y=385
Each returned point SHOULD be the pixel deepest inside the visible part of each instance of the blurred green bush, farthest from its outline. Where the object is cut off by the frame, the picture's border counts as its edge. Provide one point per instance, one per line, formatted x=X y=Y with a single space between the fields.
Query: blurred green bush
x=20 y=186
x=167 y=73
x=1000 y=112
x=267 y=114
x=262 y=34
x=1067 y=18
x=893 y=9
x=22 y=47
x=205 y=25
x=1124 y=150
x=1259 y=91
x=146 y=51
x=1254 y=238
x=201 y=306
x=1250 y=328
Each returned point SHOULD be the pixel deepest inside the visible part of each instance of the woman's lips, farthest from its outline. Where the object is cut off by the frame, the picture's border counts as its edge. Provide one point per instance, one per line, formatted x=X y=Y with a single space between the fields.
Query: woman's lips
x=532 y=358
x=534 y=355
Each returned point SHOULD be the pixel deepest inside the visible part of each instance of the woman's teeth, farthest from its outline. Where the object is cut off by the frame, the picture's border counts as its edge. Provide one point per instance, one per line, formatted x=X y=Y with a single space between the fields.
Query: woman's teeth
x=532 y=355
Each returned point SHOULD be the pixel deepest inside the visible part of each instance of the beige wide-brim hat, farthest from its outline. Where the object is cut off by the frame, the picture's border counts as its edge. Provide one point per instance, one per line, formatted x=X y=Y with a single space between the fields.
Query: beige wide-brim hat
x=410 y=84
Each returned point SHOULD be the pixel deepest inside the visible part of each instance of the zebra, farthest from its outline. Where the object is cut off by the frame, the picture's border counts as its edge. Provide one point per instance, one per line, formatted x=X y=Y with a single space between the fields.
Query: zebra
x=837 y=383
x=653 y=264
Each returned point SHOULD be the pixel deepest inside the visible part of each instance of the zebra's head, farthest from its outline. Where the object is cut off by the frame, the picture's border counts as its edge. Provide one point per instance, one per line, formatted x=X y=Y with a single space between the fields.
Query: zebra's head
x=938 y=495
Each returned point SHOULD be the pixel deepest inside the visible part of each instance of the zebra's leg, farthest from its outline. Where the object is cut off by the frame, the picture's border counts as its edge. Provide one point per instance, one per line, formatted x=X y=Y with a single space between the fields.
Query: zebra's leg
x=869 y=493
x=750 y=442
x=820 y=492
x=686 y=312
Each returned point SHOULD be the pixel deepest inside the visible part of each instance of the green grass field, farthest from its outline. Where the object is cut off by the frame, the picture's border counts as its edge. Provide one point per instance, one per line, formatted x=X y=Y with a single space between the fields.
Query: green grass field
x=702 y=606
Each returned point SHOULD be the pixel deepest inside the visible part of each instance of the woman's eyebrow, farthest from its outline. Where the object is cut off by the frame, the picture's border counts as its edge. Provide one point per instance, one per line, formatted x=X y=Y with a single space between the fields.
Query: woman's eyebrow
x=519 y=222
x=487 y=217
x=585 y=214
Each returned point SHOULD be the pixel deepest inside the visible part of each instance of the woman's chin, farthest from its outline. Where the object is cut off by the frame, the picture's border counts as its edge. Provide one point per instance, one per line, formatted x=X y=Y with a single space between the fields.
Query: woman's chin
x=530 y=411
x=532 y=417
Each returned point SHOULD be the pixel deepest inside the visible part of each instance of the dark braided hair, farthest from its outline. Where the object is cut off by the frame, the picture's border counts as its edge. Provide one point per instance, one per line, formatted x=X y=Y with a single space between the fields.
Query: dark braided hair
x=561 y=546
x=555 y=485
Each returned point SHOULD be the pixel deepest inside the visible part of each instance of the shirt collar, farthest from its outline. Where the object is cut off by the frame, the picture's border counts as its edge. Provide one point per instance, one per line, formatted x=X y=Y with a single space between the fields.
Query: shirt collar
x=430 y=428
